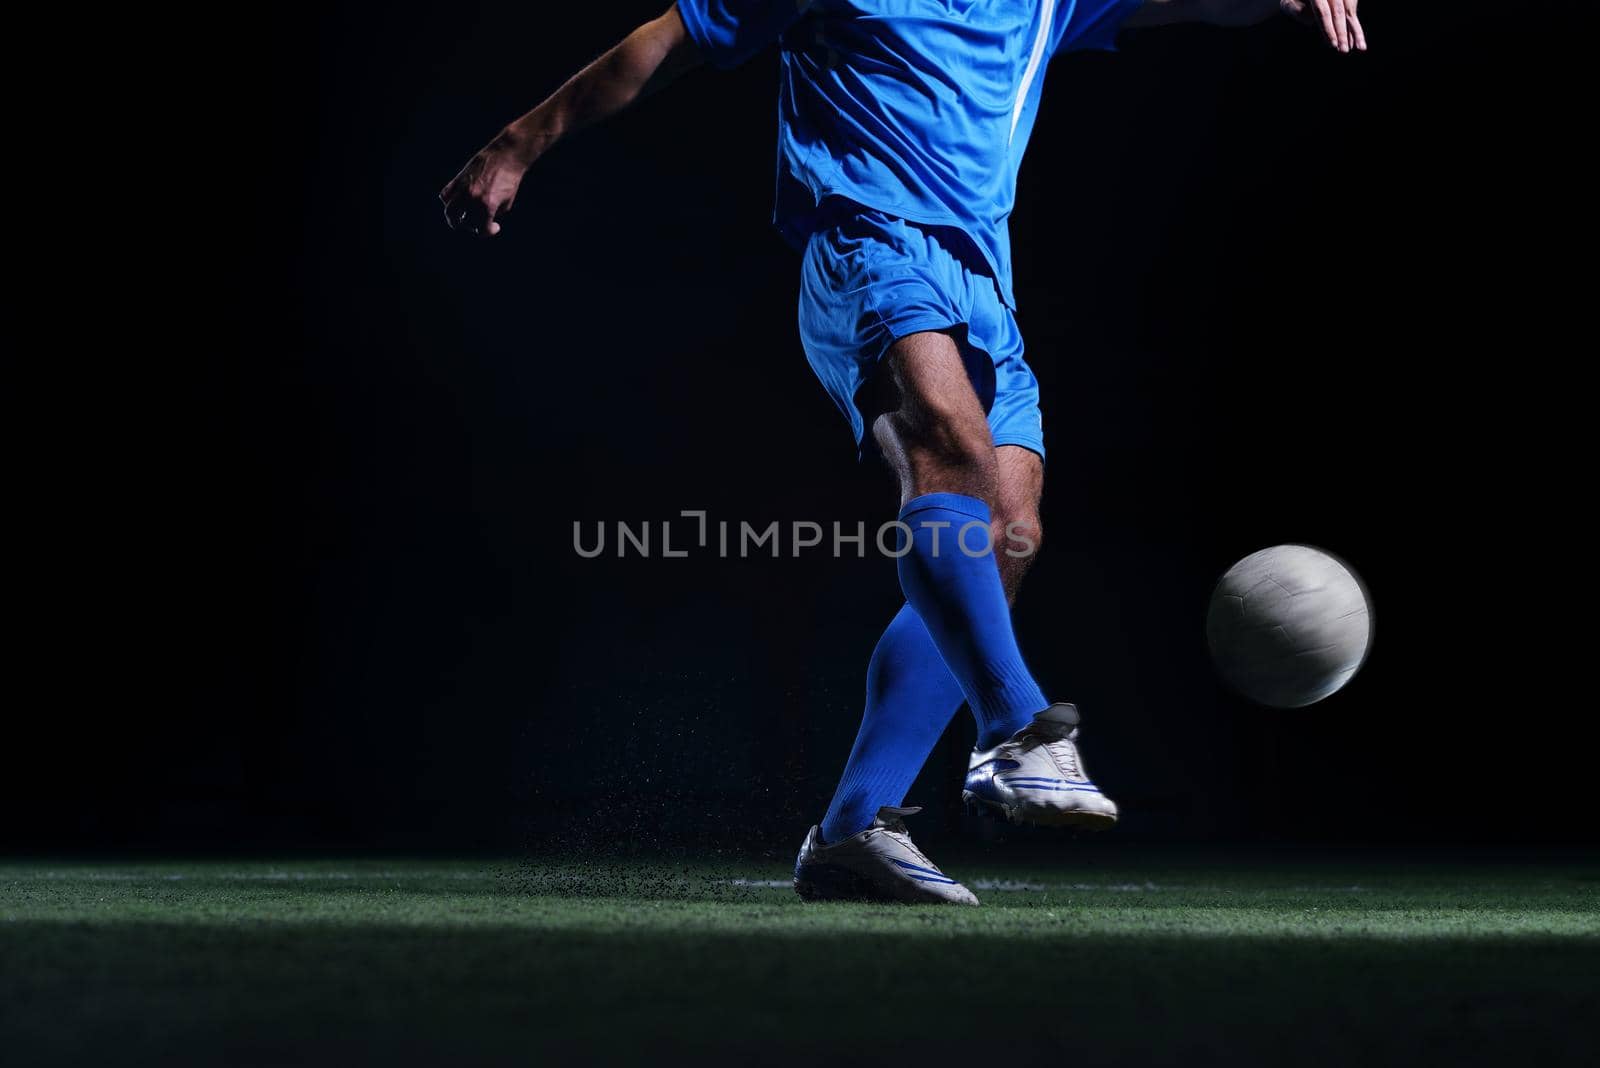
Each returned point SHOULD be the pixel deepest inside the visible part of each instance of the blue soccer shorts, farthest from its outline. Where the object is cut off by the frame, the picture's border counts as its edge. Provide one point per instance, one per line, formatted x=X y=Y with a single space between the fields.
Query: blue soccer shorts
x=868 y=279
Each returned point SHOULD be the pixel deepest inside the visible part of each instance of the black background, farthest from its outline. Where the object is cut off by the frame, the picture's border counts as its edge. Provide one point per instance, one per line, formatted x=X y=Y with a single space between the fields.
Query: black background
x=302 y=510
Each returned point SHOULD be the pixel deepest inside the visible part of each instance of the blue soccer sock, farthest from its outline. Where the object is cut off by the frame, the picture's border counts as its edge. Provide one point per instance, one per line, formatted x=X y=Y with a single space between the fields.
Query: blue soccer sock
x=960 y=600
x=911 y=697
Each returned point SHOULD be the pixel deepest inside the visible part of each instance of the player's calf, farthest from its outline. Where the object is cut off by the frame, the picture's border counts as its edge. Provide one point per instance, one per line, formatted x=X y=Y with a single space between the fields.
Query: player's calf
x=1016 y=544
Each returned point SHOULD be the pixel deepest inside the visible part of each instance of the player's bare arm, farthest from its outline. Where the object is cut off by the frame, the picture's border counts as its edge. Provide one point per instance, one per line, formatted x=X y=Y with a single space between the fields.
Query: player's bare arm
x=650 y=57
x=1336 y=20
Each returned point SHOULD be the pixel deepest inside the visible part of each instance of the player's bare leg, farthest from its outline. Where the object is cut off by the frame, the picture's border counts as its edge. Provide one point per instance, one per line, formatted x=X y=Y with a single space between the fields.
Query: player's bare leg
x=1017 y=531
x=935 y=433
x=937 y=440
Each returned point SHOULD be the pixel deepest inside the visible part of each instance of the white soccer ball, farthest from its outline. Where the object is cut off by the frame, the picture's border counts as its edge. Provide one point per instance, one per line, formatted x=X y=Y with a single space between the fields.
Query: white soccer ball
x=1289 y=625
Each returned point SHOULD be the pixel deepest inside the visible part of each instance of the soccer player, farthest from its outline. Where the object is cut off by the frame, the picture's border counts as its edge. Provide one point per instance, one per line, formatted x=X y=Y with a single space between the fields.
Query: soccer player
x=902 y=125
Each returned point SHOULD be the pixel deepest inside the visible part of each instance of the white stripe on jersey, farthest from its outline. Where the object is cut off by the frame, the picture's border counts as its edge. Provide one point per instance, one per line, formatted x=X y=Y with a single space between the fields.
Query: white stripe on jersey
x=1039 y=41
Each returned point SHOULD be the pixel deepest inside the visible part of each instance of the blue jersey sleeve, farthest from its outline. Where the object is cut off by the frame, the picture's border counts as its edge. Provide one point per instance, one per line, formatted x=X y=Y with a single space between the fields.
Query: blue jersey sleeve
x=1092 y=24
x=728 y=32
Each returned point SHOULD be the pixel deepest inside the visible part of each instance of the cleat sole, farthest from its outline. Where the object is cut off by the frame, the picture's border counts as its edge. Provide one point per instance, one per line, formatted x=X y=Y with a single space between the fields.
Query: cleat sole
x=1039 y=817
x=828 y=882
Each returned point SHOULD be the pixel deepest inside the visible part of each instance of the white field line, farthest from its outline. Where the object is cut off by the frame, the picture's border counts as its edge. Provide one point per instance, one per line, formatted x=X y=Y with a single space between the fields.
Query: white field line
x=982 y=884
x=1015 y=885
x=247 y=876
x=1002 y=885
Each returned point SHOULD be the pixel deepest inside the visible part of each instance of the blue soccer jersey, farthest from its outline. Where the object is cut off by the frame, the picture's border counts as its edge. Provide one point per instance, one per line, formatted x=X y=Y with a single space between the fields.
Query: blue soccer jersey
x=917 y=108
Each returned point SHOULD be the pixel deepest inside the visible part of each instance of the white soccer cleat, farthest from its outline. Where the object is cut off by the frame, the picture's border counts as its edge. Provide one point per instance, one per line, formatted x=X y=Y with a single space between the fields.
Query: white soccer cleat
x=879 y=864
x=1037 y=776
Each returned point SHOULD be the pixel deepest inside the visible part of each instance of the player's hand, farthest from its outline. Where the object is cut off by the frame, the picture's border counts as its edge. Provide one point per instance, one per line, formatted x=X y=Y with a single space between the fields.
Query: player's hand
x=1335 y=19
x=478 y=197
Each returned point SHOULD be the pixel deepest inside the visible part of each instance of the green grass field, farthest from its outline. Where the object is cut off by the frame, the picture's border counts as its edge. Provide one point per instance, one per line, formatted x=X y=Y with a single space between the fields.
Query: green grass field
x=249 y=962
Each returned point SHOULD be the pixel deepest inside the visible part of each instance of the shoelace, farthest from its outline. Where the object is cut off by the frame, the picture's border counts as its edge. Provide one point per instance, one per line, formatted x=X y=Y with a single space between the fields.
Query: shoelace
x=905 y=840
x=903 y=837
x=1065 y=753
